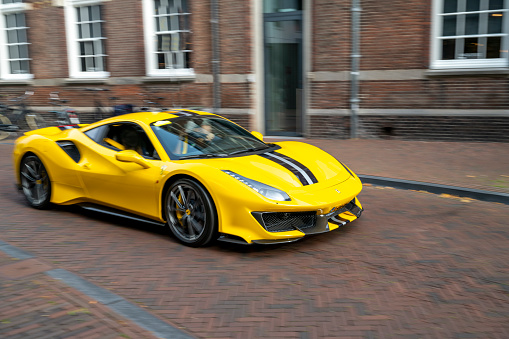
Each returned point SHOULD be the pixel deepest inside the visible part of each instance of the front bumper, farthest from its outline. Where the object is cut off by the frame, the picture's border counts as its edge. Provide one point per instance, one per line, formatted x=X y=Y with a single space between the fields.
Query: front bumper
x=317 y=206
x=306 y=222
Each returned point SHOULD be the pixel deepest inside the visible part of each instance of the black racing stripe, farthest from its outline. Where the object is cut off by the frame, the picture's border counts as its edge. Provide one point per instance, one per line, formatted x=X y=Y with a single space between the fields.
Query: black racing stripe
x=68 y=127
x=298 y=164
x=288 y=167
x=184 y=114
x=299 y=170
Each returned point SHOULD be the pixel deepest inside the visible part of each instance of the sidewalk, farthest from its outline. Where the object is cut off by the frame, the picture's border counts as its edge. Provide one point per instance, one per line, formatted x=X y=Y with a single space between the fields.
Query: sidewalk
x=34 y=305
x=476 y=165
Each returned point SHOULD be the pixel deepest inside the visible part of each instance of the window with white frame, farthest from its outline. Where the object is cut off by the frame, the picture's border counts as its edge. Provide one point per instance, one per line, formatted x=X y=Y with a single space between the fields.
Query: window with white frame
x=14 y=56
x=167 y=38
x=470 y=34
x=86 y=39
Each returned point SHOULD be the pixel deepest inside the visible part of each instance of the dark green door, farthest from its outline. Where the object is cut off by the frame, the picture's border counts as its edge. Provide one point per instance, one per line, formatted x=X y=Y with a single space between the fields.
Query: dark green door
x=283 y=67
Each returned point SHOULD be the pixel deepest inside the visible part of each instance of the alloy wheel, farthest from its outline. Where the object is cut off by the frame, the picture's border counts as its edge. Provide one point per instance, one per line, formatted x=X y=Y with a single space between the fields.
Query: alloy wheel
x=35 y=182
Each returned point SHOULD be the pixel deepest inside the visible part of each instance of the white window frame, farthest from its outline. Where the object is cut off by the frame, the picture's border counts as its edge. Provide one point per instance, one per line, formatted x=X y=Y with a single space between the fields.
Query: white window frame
x=5 y=73
x=71 y=28
x=150 y=34
x=436 y=42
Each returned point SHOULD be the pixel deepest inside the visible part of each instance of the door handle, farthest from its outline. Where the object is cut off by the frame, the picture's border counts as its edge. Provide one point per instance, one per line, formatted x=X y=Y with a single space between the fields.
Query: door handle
x=87 y=166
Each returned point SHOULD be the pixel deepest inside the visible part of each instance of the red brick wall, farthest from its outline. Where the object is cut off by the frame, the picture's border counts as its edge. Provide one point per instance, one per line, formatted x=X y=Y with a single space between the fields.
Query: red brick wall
x=48 y=48
x=395 y=34
x=235 y=95
x=201 y=36
x=435 y=128
x=437 y=93
x=235 y=28
x=125 y=42
x=329 y=95
x=330 y=35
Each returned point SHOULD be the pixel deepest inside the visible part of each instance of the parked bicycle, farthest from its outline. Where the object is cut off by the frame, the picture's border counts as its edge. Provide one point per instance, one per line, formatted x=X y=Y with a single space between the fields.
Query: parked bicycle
x=20 y=115
x=103 y=112
x=64 y=114
x=100 y=111
x=152 y=103
x=6 y=129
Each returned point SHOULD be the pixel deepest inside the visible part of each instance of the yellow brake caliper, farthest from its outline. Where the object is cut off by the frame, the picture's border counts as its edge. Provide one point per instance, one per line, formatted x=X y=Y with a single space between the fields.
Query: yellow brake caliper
x=179 y=213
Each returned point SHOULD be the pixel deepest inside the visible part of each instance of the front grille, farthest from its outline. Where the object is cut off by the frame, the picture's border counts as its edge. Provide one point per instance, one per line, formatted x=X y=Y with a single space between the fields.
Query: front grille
x=288 y=221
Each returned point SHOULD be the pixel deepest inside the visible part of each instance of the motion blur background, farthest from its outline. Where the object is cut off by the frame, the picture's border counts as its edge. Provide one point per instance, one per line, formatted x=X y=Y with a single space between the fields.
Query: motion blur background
x=413 y=69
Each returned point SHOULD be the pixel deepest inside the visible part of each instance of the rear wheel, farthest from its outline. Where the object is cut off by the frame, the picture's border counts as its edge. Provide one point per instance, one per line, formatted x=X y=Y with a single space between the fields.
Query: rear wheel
x=190 y=212
x=35 y=182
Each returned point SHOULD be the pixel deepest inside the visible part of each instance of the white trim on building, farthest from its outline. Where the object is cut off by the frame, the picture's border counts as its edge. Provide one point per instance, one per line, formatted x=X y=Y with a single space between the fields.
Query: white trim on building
x=467 y=36
x=167 y=43
x=14 y=54
x=86 y=53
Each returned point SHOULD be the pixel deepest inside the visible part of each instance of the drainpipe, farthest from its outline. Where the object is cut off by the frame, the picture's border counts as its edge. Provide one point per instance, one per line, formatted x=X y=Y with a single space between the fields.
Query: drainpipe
x=354 y=73
x=216 y=87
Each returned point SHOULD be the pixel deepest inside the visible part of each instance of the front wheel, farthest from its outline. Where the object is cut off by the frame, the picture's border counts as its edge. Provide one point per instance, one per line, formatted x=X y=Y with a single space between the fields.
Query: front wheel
x=35 y=182
x=190 y=212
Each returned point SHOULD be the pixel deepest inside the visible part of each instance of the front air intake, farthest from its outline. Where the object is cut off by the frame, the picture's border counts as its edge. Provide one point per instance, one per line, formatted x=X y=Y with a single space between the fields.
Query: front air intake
x=285 y=221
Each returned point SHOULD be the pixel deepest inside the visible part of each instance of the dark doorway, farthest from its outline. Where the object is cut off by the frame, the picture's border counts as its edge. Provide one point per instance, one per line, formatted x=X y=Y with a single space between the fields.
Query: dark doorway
x=283 y=67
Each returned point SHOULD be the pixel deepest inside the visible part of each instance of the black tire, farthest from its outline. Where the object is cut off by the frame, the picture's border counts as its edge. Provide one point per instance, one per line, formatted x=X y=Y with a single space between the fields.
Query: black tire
x=191 y=213
x=35 y=182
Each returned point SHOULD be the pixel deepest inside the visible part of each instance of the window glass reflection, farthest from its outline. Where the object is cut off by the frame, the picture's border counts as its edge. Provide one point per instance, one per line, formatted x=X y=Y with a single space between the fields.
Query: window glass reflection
x=449 y=25
x=450 y=6
x=495 y=23
x=493 y=48
x=471 y=24
x=281 y=6
x=473 y=5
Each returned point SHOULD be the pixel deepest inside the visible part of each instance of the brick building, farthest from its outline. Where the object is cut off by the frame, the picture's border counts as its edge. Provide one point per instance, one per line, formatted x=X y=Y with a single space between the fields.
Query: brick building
x=432 y=70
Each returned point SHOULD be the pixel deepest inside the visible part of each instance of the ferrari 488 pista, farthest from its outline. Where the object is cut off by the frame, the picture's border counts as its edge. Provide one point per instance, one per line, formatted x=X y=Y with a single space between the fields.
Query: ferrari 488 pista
x=201 y=175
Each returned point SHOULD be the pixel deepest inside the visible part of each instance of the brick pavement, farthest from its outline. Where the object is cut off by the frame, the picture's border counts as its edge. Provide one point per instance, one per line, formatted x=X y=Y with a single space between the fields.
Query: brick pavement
x=35 y=306
x=415 y=265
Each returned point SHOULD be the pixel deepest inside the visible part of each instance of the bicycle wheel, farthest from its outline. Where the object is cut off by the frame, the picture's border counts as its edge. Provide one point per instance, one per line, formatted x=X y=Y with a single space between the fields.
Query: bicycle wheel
x=6 y=121
x=35 y=121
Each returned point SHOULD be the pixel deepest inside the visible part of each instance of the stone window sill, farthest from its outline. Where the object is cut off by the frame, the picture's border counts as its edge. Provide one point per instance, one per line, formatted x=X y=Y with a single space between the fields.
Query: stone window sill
x=86 y=80
x=502 y=72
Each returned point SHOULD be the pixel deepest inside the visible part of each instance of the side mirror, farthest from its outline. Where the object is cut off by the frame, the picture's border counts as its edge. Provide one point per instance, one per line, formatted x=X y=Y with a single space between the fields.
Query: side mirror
x=258 y=135
x=132 y=156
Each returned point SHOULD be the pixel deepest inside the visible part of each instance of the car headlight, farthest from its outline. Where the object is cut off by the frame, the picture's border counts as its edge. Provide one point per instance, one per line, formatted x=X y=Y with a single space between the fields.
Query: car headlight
x=265 y=190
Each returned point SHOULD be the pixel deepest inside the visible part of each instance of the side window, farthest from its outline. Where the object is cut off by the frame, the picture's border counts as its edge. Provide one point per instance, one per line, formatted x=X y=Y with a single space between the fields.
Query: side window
x=126 y=136
x=96 y=133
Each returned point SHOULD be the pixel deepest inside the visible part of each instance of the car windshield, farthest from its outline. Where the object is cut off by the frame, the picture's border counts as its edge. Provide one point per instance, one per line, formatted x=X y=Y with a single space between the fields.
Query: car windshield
x=204 y=136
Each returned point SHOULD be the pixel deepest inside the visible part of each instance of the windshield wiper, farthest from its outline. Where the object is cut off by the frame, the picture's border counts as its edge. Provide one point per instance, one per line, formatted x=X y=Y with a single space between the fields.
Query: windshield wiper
x=207 y=155
x=252 y=149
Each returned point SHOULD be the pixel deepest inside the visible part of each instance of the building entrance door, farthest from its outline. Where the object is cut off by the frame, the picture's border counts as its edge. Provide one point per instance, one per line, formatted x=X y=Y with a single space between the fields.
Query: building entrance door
x=283 y=67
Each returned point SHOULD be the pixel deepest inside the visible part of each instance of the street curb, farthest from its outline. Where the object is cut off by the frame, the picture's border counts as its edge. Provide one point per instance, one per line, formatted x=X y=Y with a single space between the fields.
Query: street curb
x=119 y=305
x=114 y=302
x=472 y=193
x=14 y=252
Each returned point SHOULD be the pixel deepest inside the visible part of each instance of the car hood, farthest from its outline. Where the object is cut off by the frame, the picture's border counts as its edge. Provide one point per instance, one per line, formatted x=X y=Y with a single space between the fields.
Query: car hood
x=295 y=167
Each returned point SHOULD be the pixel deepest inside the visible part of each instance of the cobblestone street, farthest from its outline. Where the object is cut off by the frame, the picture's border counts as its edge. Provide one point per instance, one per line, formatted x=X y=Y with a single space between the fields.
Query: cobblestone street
x=415 y=265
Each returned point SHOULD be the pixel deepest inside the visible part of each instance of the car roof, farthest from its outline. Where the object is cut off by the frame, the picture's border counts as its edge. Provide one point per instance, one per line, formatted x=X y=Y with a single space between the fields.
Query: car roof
x=149 y=117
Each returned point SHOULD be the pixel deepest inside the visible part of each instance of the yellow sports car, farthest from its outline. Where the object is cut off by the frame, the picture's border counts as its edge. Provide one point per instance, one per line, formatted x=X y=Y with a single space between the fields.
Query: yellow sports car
x=202 y=175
